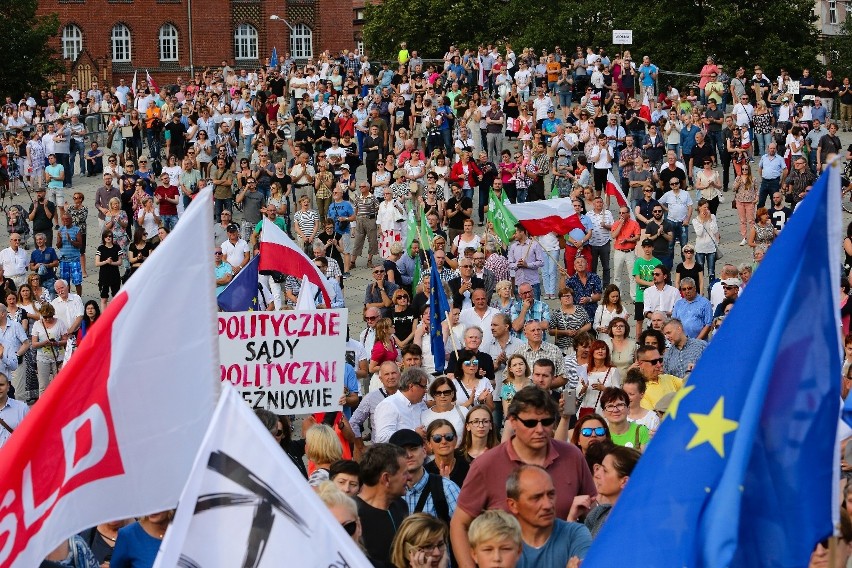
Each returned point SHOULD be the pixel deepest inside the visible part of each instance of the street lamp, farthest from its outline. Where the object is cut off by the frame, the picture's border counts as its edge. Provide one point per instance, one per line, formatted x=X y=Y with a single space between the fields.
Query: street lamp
x=280 y=19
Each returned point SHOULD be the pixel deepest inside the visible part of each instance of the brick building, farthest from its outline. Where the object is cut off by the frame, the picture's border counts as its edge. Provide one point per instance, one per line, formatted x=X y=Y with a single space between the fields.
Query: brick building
x=108 y=39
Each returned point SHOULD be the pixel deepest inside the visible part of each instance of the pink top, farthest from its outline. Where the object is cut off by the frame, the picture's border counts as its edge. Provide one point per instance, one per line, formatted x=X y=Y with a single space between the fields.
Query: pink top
x=705 y=74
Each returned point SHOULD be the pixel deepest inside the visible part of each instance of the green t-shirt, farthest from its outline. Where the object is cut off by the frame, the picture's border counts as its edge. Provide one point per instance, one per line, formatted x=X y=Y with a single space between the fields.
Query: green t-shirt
x=644 y=270
x=278 y=221
x=628 y=439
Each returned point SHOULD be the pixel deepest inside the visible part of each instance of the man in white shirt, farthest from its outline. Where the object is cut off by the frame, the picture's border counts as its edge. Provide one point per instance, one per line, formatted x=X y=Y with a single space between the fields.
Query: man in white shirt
x=68 y=307
x=661 y=296
x=601 y=240
x=368 y=335
x=541 y=104
x=15 y=260
x=236 y=250
x=479 y=314
x=12 y=411
x=743 y=111
x=403 y=408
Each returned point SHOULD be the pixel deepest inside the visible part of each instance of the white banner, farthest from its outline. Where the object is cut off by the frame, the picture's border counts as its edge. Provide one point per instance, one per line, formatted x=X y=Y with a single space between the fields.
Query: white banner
x=288 y=362
x=622 y=37
x=246 y=504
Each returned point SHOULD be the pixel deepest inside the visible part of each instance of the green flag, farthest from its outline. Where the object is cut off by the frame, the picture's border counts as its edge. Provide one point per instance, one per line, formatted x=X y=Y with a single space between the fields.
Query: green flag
x=415 y=278
x=410 y=228
x=426 y=233
x=502 y=219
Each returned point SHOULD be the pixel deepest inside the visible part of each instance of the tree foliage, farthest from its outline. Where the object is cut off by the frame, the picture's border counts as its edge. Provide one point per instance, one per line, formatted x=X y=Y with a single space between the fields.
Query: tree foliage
x=680 y=36
x=28 y=59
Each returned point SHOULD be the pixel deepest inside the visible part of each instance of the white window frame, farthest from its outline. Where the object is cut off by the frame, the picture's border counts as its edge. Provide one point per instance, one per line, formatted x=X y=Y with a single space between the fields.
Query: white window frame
x=245 y=42
x=359 y=47
x=121 y=44
x=832 y=12
x=168 y=42
x=302 y=42
x=72 y=42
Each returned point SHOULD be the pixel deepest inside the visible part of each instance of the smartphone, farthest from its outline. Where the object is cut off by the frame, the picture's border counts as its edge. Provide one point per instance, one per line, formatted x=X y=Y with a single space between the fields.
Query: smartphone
x=570 y=398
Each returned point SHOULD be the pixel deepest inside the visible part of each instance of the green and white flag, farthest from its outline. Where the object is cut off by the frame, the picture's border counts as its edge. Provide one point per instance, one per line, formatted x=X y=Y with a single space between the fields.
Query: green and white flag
x=502 y=219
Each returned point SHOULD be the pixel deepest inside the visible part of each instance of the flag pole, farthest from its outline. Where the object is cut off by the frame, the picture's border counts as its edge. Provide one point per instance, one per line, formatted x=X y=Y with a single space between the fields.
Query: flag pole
x=555 y=259
x=451 y=334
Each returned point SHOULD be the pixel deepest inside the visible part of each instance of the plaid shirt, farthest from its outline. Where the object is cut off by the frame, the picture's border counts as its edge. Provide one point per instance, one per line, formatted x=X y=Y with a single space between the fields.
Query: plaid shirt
x=229 y=140
x=676 y=361
x=412 y=495
x=499 y=265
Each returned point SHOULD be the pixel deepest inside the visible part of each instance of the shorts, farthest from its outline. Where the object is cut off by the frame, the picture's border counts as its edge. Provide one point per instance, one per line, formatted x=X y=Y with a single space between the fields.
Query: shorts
x=57 y=195
x=70 y=271
x=348 y=243
x=109 y=288
x=639 y=315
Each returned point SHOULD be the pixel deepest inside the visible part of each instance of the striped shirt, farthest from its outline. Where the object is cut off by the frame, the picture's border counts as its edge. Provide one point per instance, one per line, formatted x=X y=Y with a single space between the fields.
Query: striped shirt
x=366 y=206
x=307 y=221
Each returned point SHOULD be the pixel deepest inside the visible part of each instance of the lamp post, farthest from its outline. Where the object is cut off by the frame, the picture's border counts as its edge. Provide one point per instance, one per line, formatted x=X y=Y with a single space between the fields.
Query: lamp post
x=292 y=29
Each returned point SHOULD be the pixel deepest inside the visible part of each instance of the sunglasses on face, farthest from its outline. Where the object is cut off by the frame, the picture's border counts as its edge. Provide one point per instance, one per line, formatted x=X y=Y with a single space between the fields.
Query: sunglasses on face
x=599 y=431
x=533 y=422
x=446 y=437
x=350 y=527
x=656 y=361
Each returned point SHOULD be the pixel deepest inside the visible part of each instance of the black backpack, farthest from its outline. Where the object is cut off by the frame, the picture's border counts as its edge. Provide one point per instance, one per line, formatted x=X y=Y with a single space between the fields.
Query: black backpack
x=156 y=166
x=435 y=487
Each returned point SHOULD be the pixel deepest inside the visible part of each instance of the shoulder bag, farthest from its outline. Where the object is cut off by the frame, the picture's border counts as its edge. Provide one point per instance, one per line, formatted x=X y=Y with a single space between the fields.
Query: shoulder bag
x=585 y=410
x=719 y=253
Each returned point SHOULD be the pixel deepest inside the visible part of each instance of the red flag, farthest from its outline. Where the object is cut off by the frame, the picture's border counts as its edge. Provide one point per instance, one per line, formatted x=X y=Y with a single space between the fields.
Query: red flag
x=645 y=109
x=152 y=86
x=278 y=252
x=613 y=188
x=547 y=216
x=114 y=434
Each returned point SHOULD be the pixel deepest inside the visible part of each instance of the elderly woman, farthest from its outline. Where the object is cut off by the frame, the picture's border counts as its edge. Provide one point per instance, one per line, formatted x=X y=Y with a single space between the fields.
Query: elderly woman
x=443 y=392
x=343 y=507
x=116 y=220
x=503 y=299
x=763 y=232
x=323 y=448
x=568 y=320
x=390 y=219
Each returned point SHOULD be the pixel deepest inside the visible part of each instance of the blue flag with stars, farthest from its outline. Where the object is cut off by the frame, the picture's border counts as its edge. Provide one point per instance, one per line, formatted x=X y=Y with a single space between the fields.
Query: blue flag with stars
x=741 y=471
x=243 y=293
x=439 y=307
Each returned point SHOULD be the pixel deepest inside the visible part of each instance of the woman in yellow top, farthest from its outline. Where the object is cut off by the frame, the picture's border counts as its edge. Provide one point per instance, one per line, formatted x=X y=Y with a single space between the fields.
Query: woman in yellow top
x=323 y=183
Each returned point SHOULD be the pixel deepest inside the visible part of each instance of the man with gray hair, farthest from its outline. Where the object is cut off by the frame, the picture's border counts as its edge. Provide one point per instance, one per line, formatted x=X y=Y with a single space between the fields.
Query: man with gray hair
x=717 y=291
x=693 y=310
x=14 y=343
x=15 y=260
x=403 y=408
x=366 y=411
x=68 y=306
x=683 y=352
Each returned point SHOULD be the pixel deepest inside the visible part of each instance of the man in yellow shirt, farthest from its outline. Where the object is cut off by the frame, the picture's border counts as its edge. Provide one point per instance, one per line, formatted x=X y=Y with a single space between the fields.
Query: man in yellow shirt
x=657 y=384
x=403 y=54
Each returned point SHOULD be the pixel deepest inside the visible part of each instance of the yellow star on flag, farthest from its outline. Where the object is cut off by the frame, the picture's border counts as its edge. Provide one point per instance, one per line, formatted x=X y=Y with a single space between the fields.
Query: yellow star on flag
x=675 y=402
x=712 y=428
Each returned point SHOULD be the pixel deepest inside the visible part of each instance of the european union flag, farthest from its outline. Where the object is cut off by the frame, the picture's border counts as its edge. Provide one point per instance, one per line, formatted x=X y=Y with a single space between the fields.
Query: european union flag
x=439 y=307
x=243 y=292
x=741 y=471
x=273 y=59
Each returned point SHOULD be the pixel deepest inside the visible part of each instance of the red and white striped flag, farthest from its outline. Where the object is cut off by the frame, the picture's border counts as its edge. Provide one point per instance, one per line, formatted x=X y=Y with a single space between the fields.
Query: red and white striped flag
x=645 y=109
x=547 y=216
x=279 y=252
x=152 y=86
x=115 y=434
x=613 y=189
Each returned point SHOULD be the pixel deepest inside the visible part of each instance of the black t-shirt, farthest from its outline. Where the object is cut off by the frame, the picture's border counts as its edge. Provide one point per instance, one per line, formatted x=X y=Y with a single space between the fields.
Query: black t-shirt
x=764 y=83
x=700 y=153
x=714 y=114
x=459 y=472
x=403 y=322
x=636 y=125
x=108 y=271
x=305 y=139
x=331 y=252
x=779 y=217
x=829 y=84
x=845 y=96
x=693 y=273
x=277 y=86
x=661 y=245
x=380 y=527
x=457 y=221
x=176 y=130
x=41 y=223
x=666 y=175
x=401 y=117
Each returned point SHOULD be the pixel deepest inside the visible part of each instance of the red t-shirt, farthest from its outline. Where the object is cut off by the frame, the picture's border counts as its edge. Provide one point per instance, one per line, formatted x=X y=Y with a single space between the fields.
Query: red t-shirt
x=166 y=207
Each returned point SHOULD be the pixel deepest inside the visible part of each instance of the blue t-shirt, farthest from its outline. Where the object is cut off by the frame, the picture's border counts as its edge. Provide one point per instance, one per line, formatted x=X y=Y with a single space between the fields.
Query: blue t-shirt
x=134 y=547
x=566 y=541
x=68 y=250
x=647 y=78
x=350 y=381
x=45 y=257
x=342 y=209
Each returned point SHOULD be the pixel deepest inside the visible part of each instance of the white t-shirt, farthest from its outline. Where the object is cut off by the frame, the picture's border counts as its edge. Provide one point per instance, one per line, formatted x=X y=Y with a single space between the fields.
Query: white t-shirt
x=235 y=253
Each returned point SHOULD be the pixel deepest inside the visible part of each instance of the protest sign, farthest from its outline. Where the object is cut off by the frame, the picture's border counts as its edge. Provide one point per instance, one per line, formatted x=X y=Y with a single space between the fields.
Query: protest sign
x=289 y=361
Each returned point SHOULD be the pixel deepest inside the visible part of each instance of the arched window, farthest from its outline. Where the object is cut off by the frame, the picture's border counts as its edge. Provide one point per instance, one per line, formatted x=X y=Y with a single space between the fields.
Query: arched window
x=302 y=42
x=72 y=42
x=120 y=43
x=245 y=42
x=168 y=43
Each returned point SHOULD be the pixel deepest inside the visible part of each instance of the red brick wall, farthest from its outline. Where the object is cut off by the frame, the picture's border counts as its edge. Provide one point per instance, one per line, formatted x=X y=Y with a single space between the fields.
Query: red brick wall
x=213 y=23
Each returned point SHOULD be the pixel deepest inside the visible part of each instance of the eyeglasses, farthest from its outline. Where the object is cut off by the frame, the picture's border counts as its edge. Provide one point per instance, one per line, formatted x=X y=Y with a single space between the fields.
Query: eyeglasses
x=423 y=386
x=378 y=272
x=656 y=361
x=533 y=422
x=444 y=393
x=218 y=252
x=480 y=422
x=371 y=318
x=449 y=437
x=588 y=432
x=657 y=211
x=350 y=527
x=471 y=362
x=615 y=407
x=688 y=252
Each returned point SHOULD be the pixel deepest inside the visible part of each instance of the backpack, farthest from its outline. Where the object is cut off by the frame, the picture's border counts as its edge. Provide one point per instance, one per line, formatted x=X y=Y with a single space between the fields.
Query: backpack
x=435 y=487
x=156 y=166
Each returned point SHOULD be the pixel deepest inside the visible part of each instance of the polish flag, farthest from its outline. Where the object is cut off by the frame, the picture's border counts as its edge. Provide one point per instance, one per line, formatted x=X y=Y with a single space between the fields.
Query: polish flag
x=613 y=189
x=152 y=86
x=278 y=252
x=645 y=109
x=547 y=216
x=115 y=434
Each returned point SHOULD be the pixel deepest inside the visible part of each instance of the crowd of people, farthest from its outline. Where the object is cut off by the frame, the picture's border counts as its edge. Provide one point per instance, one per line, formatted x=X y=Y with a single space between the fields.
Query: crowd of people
x=512 y=450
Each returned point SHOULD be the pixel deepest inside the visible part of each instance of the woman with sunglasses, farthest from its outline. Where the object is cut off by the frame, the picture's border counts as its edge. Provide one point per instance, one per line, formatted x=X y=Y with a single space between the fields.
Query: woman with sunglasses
x=615 y=403
x=443 y=393
x=610 y=477
x=473 y=388
x=442 y=441
x=344 y=509
x=480 y=435
x=590 y=429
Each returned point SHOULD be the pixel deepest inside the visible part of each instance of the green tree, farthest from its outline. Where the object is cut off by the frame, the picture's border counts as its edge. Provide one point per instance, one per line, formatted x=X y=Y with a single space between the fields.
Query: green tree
x=838 y=51
x=29 y=60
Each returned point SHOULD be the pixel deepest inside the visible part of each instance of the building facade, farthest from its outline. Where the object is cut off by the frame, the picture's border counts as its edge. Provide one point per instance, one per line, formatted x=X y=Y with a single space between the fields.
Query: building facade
x=108 y=39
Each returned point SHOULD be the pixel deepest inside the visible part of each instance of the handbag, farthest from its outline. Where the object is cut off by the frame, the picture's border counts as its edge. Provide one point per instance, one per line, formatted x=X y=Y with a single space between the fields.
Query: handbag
x=127 y=132
x=719 y=253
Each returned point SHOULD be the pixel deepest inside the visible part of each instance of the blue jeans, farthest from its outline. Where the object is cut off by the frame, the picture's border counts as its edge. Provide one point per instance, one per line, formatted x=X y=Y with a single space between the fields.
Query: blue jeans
x=169 y=222
x=681 y=234
x=549 y=273
x=767 y=188
x=715 y=138
x=764 y=140
x=565 y=99
x=521 y=194
x=219 y=205
x=77 y=149
x=153 y=144
x=708 y=261
x=247 y=147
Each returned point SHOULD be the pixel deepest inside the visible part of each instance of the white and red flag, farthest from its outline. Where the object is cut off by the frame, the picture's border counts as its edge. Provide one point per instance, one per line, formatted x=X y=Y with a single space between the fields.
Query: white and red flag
x=152 y=86
x=613 y=189
x=546 y=216
x=278 y=252
x=645 y=109
x=115 y=434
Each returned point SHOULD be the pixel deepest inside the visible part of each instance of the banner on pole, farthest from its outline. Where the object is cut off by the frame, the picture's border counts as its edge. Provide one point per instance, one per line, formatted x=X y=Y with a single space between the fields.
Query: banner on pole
x=285 y=361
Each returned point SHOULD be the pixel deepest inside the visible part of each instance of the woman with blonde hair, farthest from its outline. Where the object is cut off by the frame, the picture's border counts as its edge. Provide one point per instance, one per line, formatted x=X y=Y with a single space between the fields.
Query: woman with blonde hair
x=384 y=348
x=503 y=299
x=322 y=446
x=420 y=541
x=343 y=507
